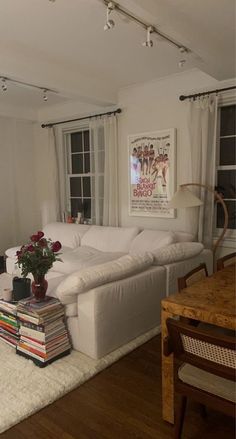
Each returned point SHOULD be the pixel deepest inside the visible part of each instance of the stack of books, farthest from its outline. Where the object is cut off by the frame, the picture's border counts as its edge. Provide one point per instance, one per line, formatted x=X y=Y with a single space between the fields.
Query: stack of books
x=9 y=326
x=43 y=334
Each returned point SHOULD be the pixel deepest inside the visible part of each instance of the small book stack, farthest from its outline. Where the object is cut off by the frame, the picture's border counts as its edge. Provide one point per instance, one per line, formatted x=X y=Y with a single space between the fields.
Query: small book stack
x=43 y=334
x=9 y=326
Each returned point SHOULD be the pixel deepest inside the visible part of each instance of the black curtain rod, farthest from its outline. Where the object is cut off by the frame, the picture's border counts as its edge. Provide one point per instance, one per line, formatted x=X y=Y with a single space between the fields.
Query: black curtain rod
x=204 y=93
x=108 y=113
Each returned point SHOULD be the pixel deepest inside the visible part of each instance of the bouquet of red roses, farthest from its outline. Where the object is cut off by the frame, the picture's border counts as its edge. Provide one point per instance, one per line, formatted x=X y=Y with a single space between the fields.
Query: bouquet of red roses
x=38 y=255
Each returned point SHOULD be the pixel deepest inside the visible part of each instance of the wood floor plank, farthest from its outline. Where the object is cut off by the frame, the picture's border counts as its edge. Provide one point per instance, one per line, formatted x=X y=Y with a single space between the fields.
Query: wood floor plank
x=121 y=402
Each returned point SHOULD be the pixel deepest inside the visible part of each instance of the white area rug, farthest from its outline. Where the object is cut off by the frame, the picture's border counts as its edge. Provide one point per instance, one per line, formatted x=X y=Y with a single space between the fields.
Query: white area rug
x=25 y=388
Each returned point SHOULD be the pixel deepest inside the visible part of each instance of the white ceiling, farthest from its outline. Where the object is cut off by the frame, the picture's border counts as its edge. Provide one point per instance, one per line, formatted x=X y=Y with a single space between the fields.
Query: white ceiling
x=62 y=45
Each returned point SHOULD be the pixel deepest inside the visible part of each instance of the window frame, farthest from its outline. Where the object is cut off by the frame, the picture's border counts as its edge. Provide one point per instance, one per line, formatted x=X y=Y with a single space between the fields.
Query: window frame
x=66 y=140
x=230 y=235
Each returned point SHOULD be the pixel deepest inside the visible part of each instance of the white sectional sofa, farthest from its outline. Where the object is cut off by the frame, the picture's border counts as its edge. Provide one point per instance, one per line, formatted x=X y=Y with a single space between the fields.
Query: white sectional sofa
x=112 y=279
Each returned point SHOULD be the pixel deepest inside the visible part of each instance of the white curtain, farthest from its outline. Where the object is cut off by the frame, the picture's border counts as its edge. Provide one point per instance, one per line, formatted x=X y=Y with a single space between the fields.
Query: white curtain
x=202 y=129
x=103 y=141
x=110 y=206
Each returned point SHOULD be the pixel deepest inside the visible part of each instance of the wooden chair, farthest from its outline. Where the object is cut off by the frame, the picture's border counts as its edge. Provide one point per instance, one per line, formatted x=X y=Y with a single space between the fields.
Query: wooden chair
x=190 y=278
x=193 y=276
x=225 y=261
x=207 y=372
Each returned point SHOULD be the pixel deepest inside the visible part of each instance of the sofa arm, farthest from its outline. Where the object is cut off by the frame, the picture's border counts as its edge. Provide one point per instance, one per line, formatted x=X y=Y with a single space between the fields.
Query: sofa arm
x=111 y=315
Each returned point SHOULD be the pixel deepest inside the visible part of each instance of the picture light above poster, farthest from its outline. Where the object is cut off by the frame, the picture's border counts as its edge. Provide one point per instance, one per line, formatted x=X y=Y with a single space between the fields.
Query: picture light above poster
x=152 y=173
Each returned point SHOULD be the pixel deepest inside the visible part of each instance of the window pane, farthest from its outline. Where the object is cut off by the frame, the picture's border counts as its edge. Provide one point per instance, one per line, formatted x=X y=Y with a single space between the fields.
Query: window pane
x=76 y=142
x=77 y=163
x=231 y=207
x=227 y=151
x=227 y=120
x=75 y=187
x=226 y=183
x=86 y=187
x=87 y=208
x=76 y=206
x=86 y=140
x=86 y=163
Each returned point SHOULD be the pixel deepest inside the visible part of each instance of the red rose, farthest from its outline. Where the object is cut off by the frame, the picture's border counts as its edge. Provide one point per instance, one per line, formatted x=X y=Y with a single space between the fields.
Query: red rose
x=56 y=246
x=34 y=238
x=30 y=248
x=40 y=234
x=43 y=242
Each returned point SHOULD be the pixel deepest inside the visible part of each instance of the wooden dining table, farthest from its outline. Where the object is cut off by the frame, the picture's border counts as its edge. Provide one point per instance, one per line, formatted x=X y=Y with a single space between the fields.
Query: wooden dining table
x=211 y=300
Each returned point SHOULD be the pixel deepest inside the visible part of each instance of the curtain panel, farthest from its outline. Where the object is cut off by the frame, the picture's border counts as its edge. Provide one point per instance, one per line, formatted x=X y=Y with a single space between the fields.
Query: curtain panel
x=103 y=135
x=202 y=129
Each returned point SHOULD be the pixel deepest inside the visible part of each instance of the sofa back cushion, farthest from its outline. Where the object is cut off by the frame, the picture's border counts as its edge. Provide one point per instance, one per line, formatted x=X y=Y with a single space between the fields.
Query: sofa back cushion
x=184 y=237
x=151 y=240
x=179 y=251
x=112 y=239
x=69 y=235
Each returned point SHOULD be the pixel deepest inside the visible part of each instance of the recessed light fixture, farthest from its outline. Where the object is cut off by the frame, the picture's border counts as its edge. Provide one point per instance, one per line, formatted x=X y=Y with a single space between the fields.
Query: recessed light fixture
x=109 y=23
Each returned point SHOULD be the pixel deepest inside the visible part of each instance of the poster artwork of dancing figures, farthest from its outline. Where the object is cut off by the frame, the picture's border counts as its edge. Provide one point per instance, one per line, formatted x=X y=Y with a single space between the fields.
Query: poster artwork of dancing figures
x=152 y=173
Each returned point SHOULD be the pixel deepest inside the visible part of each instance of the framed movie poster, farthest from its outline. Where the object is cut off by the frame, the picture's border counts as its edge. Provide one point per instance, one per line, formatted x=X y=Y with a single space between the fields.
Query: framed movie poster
x=152 y=164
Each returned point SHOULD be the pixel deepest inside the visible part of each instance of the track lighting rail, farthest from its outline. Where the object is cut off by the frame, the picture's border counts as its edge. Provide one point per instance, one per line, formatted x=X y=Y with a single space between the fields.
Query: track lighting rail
x=6 y=79
x=145 y=25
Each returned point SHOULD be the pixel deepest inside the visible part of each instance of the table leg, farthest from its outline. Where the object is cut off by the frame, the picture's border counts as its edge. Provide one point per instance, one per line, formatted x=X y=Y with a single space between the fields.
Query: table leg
x=167 y=375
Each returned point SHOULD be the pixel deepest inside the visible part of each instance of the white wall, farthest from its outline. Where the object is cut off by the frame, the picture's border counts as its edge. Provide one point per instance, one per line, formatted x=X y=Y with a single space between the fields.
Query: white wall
x=155 y=106
x=18 y=202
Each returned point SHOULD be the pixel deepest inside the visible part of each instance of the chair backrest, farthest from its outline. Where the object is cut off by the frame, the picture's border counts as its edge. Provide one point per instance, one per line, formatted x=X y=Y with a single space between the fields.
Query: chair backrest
x=226 y=260
x=193 y=276
x=214 y=353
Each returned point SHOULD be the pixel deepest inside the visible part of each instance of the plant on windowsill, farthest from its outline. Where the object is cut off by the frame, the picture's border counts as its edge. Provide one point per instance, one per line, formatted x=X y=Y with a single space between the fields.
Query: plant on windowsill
x=37 y=257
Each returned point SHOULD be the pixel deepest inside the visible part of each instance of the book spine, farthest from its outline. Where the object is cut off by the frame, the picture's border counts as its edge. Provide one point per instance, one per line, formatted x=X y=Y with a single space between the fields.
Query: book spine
x=39 y=328
x=32 y=350
x=30 y=354
x=36 y=335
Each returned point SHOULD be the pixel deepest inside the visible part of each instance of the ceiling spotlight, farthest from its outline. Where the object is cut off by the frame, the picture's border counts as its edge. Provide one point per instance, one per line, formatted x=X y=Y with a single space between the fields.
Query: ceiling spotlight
x=45 y=96
x=109 y=23
x=181 y=63
x=4 y=85
x=148 y=42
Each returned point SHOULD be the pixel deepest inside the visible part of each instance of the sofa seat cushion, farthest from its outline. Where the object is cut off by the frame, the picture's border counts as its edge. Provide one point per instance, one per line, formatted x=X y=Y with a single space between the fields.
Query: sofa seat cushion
x=151 y=240
x=207 y=382
x=82 y=257
x=69 y=235
x=11 y=252
x=92 y=277
x=110 y=239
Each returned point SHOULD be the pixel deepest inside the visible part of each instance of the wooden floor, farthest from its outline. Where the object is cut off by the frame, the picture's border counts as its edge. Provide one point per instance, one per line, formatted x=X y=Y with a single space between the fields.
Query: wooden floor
x=122 y=402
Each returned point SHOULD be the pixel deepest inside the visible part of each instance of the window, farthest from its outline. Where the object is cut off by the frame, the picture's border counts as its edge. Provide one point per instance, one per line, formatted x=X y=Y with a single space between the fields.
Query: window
x=85 y=175
x=226 y=166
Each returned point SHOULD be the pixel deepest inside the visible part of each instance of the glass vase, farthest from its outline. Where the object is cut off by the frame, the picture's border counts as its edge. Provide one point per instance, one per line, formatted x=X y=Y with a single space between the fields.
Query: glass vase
x=39 y=287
